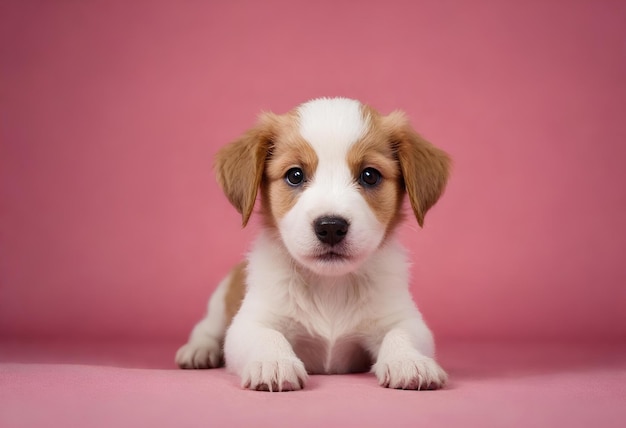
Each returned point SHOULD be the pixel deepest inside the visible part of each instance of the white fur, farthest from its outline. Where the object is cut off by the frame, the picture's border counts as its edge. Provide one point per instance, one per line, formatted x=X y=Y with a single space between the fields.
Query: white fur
x=303 y=315
x=203 y=350
x=331 y=127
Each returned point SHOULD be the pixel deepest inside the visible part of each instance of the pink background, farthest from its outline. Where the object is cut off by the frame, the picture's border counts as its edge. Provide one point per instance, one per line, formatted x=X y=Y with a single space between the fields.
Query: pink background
x=112 y=225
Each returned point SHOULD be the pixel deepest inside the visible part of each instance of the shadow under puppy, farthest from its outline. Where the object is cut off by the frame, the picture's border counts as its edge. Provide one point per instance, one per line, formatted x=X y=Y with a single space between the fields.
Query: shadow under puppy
x=325 y=287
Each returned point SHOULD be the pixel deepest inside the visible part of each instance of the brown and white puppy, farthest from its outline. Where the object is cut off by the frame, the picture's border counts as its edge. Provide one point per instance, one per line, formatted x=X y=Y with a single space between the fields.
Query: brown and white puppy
x=325 y=287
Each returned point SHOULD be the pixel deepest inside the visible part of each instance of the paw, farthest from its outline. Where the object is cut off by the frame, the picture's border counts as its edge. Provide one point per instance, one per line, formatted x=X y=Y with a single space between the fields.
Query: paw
x=414 y=372
x=205 y=354
x=285 y=374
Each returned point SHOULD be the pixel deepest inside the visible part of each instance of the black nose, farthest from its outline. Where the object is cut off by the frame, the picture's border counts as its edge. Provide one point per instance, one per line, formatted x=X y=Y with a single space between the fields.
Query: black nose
x=331 y=230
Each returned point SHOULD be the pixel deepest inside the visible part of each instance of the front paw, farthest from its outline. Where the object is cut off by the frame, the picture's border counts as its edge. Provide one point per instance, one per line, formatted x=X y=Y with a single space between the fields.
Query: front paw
x=412 y=372
x=285 y=374
x=199 y=354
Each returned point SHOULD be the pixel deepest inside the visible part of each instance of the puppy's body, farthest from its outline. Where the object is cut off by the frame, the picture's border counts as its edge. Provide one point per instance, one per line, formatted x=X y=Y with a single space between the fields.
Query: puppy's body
x=326 y=281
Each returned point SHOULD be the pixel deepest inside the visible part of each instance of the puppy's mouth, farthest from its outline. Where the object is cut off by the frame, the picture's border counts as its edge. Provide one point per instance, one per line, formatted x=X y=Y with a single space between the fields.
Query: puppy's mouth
x=337 y=260
x=331 y=256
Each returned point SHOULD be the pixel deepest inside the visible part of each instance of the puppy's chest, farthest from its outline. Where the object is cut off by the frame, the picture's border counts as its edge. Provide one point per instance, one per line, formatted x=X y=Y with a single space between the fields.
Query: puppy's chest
x=328 y=334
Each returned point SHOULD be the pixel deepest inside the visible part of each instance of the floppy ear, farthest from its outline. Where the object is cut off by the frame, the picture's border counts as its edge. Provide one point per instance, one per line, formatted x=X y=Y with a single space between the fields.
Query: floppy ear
x=425 y=168
x=239 y=165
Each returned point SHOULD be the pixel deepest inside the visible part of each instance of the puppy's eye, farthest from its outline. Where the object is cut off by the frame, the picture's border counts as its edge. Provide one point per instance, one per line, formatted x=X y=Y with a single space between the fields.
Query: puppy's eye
x=294 y=177
x=370 y=177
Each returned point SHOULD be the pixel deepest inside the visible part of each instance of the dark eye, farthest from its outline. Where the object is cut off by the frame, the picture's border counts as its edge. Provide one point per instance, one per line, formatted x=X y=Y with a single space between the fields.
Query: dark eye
x=370 y=177
x=294 y=177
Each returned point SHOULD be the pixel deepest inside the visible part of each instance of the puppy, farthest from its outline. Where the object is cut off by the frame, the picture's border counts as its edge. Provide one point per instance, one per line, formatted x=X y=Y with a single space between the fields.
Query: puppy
x=325 y=287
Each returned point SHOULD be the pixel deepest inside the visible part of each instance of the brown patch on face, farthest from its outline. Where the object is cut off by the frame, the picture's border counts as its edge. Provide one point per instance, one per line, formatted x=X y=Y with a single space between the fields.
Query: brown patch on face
x=289 y=150
x=260 y=158
x=407 y=162
x=375 y=150
x=236 y=291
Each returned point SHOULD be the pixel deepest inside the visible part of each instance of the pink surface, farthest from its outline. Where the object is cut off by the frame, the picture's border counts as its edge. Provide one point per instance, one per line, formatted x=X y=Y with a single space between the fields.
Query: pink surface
x=493 y=385
x=112 y=226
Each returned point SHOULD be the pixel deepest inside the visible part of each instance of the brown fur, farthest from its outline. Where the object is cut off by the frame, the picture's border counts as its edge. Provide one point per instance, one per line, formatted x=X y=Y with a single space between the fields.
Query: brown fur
x=425 y=168
x=290 y=150
x=406 y=162
x=236 y=290
x=240 y=164
x=267 y=151
x=375 y=150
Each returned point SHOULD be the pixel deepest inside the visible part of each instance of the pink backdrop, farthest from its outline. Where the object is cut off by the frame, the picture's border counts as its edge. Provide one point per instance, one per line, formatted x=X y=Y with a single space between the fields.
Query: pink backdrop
x=112 y=225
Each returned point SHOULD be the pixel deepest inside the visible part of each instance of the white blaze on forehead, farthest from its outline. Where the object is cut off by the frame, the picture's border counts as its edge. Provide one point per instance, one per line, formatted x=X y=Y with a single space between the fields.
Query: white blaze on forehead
x=332 y=125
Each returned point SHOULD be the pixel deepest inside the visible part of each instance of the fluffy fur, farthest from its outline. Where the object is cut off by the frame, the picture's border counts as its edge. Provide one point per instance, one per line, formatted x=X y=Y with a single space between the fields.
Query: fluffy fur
x=325 y=287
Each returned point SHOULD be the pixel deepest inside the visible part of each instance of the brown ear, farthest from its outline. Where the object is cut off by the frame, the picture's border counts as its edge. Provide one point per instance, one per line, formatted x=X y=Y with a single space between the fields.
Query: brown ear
x=425 y=168
x=239 y=165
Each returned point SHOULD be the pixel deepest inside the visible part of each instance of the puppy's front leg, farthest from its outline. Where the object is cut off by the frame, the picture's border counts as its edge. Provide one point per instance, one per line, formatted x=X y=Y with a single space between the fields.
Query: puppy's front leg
x=262 y=357
x=405 y=358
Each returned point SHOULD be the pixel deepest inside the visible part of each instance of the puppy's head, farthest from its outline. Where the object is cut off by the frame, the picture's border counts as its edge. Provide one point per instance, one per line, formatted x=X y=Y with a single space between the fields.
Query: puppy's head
x=333 y=174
